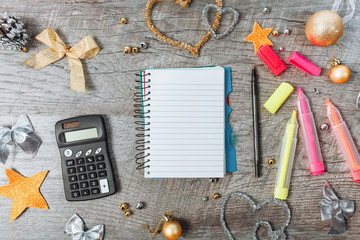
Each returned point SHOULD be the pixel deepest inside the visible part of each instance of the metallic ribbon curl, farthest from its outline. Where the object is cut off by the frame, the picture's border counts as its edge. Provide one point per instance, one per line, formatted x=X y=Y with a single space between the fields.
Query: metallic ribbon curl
x=85 y=49
x=22 y=135
x=336 y=210
x=75 y=227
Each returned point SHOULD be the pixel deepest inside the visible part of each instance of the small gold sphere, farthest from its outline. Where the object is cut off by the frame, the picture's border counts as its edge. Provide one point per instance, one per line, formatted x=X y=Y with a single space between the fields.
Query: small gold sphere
x=216 y=196
x=135 y=50
x=340 y=74
x=172 y=230
x=270 y=162
x=123 y=207
x=127 y=50
x=275 y=33
x=24 y=50
x=123 y=20
x=127 y=213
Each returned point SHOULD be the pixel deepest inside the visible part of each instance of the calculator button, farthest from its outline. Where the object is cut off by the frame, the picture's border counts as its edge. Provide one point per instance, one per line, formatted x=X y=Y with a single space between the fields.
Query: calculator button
x=91 y=167
x=94 y=183
x=92 y=175
x=85 y=192
x=74 y=186
x=95 y=191
x=90 y=159
x=70 y=163
x=81 y=169
x=80 y=161
x=98 y=150
x=102 y=173
x=82 y=177
x=101 y=165
x=88 y=152
x=99 y=158
x=78 y=154
x=68 y=152
x=104 y=186
x=71 y=170
x=72 y=178
x=75 y=194
x=84 y=185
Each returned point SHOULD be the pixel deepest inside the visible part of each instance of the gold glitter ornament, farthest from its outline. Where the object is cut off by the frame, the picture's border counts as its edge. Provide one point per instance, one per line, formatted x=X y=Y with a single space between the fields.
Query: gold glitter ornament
x=324 y=28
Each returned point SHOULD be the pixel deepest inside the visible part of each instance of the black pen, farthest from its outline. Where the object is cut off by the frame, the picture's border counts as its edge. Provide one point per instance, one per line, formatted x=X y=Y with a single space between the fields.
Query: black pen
x=255 y=123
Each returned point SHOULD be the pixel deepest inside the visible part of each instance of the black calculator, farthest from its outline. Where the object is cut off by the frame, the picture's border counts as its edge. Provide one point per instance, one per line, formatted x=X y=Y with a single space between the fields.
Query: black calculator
x=85 y=162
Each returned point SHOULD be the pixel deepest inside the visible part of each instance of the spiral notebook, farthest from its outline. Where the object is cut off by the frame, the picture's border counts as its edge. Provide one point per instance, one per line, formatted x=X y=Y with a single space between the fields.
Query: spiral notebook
x=184 y=121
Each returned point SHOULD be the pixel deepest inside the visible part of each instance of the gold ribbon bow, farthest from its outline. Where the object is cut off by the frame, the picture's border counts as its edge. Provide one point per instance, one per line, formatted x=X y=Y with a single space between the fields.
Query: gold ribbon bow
x=85 y=49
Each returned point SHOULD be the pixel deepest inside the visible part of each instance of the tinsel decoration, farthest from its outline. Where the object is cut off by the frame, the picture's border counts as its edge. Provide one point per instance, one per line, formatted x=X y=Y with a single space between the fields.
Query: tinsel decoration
x=12 y=33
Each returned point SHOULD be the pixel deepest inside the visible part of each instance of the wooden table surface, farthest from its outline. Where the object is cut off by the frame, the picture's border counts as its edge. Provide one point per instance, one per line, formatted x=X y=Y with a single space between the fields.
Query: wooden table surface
x=110 y=82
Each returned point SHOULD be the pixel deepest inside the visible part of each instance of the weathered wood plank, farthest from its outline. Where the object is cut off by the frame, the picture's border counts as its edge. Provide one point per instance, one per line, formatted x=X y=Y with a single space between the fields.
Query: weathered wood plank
x=45 y=96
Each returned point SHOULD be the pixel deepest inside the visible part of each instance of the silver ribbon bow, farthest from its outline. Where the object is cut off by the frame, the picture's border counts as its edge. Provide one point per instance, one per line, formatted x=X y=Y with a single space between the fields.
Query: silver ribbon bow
x=336 y=210
x=22 y=135
x=75 y=227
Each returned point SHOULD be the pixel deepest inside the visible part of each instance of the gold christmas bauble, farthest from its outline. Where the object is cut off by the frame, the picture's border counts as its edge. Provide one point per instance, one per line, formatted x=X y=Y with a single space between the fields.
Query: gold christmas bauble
x=324 y=28
x=172 y=230
x=340 y=74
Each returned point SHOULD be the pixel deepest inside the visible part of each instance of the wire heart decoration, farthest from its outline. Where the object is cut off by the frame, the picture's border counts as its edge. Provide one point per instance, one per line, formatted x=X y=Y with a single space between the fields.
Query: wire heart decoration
x=274 y=235
x=221 y=11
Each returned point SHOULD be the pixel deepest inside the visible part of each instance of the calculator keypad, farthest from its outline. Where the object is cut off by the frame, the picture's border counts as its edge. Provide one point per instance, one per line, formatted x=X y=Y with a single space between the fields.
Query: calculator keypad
x=83 y=174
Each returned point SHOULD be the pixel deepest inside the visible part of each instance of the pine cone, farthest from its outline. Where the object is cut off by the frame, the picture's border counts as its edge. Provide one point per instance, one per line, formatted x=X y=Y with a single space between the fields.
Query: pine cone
x=12 y=33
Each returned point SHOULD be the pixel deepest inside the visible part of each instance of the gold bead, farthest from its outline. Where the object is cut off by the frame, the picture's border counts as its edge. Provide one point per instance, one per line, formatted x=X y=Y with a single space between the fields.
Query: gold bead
x=24 y=50
x=270 y=162
x=123 y=20
x=216 y=196
x=135 y=50
x=127 y=50
x=127 y=213
x=275 y=33
x=123 y=207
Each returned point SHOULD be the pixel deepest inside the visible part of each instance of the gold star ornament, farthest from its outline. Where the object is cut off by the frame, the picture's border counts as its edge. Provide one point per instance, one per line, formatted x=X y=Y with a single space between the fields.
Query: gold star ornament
x=24 y=192
x=259 y=36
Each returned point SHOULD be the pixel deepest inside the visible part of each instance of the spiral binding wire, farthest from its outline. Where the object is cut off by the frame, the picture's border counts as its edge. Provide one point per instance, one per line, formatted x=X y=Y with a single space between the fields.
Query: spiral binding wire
x=143 y=126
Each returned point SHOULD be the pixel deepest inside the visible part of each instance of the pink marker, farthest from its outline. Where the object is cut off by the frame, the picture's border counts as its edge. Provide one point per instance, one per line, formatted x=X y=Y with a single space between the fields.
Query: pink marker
x=311 y=139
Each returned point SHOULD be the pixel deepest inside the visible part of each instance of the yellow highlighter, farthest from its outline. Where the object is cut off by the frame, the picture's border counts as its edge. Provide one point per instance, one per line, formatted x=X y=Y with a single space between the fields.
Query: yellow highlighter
x=286 y=159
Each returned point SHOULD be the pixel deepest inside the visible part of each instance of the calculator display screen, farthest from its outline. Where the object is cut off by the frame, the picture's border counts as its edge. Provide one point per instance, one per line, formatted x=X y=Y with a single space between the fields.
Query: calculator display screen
x=81 y=135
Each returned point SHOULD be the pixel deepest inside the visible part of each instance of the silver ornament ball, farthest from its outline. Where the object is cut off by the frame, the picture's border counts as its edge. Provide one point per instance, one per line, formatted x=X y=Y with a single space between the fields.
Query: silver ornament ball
x=286 y=31
x=281 y=49
x=266 y=10
x=143 y=45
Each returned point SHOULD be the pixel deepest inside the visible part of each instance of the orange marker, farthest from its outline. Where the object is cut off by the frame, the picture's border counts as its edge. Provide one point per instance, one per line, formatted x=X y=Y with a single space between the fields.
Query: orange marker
x=344 y=140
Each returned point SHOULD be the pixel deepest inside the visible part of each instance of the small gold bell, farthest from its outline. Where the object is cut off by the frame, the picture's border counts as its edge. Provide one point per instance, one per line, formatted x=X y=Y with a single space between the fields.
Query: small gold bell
x=123 y=207
x=123 y=20
x=275 y=33
x=216 y=196
x=127 y=213
x=270 y=162
x=135 y=50
x=127 y=50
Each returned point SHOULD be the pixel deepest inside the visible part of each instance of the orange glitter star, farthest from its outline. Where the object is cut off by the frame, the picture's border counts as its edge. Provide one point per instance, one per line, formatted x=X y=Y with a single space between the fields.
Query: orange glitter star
x=259 y=36
x=24 y=192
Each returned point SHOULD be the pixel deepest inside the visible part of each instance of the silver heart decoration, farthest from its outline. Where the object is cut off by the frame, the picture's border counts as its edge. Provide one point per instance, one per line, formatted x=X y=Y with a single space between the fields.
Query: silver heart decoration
x=222 y=11
x=274 y=235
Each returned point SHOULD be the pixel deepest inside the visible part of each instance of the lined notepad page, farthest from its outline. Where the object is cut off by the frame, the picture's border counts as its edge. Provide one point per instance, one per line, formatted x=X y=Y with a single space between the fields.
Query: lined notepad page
x=187 y=123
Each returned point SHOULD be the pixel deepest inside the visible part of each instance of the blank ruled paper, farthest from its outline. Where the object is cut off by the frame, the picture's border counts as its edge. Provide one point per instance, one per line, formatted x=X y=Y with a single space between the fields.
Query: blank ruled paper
x=187 y=123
